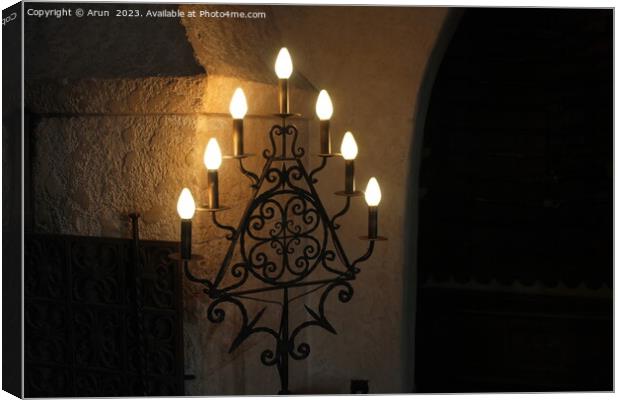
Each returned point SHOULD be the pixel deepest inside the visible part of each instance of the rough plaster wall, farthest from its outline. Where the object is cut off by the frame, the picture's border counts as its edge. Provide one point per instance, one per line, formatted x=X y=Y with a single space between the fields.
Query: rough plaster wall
x=107 y=47
x=242 y=55
x=372 y=61
x=236 y=47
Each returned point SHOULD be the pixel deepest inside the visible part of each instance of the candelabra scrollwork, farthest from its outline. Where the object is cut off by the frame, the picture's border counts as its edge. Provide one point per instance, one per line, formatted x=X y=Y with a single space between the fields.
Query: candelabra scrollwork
x=284 y=248
x=252 y=176
x=231 y=231
x=288 y=149
x=318 y=169
x=341 y=212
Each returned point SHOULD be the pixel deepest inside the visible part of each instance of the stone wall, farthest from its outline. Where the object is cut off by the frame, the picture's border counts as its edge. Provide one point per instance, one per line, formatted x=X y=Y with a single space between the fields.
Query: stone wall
x=122 y=139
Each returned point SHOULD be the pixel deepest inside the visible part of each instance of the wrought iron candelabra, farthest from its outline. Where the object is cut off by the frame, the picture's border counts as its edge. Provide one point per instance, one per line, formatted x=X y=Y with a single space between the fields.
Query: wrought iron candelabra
x=285 y=246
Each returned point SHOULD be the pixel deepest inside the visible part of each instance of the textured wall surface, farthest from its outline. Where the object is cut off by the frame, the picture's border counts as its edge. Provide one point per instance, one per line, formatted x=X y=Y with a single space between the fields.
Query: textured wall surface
x=140 y=137
x=107 y=47
x=235 y=47
x=104 y=147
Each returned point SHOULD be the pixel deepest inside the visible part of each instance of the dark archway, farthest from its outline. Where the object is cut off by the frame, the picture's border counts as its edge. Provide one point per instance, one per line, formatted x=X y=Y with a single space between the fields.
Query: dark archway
x=515 y=242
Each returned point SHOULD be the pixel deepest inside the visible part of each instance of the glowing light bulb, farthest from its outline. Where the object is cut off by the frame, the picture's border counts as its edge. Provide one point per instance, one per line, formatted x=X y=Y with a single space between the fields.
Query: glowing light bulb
x=348 y=148
x=324 y=107
x=213 y=155
x=238 y=104
x=186 y=207
x=373 y=193
x=284 y=64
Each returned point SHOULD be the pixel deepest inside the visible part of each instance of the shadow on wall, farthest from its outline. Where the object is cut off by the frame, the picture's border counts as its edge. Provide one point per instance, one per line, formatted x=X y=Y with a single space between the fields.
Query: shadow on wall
x=410 y=275
x=107 y=47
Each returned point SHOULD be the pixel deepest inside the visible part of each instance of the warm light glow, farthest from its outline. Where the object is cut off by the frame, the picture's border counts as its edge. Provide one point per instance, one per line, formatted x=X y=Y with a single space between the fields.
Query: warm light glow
x=213 y=155
x=186 y=207
x=238 y=104
x=324 y=107
x=373 y=193
x=284 y=64
x=348 y=148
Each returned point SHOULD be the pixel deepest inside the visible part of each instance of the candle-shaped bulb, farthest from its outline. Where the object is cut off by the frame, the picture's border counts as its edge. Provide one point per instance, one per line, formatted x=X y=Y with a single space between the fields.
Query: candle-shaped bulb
x=324 y=107
x=284 y=64
x=238 y=104
x=348 y=148
x=213 y=155
x=186 y=207
x=373 y=193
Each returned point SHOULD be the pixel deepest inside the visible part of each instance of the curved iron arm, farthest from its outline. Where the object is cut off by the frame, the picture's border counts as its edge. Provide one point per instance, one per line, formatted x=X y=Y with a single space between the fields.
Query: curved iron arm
x=216 y=314
x=341 y=213
x=317 y=169
x=252 y=176
x=192 y=278
x=366 y=256
x=302 y=350
x=232 y=230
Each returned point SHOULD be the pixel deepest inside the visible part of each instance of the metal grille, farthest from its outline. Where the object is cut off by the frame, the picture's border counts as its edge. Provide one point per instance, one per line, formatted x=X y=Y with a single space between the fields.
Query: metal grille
x=83 y=318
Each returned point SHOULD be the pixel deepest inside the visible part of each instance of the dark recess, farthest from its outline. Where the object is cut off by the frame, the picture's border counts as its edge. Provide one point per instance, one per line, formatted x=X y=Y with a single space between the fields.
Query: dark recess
x=516 y=200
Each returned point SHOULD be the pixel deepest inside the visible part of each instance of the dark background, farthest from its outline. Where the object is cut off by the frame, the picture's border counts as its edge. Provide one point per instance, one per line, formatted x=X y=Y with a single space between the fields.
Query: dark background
x=515 y=259
x=11 y=201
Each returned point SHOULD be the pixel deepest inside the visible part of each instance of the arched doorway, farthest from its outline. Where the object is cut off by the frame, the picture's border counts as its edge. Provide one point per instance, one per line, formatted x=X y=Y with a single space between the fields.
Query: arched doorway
x=515 y=219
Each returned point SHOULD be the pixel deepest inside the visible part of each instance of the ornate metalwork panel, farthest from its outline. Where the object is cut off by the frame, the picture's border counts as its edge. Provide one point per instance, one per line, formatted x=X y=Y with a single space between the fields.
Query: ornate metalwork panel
x=98 y=324
x=285 y=247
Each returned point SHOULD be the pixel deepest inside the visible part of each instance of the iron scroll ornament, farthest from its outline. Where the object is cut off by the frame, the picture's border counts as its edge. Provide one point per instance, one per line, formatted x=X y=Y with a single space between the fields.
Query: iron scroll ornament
x=285 y=242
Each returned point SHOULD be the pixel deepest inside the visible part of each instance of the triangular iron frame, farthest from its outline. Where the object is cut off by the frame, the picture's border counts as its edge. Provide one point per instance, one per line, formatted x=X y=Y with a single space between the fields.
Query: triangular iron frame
x=235 y=293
